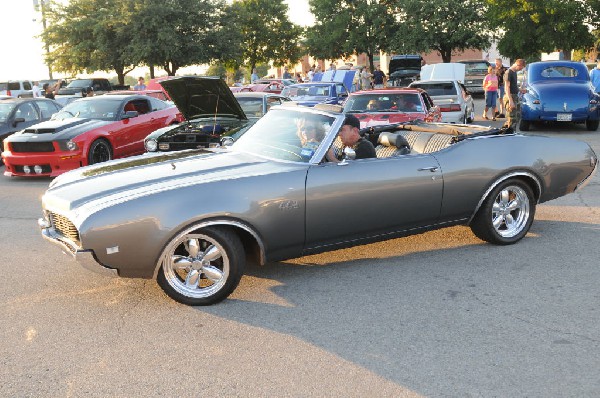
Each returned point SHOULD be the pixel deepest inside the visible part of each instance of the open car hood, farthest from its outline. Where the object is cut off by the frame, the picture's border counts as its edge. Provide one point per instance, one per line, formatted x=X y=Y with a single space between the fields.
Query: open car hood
x=444 y=71
x=346 y=77
x=405 y=65
x=197 y=97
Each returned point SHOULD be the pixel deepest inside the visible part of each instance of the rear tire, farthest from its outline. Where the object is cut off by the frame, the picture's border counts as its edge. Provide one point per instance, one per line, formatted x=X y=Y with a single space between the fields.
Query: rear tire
x=592 y=125
x=506 y=214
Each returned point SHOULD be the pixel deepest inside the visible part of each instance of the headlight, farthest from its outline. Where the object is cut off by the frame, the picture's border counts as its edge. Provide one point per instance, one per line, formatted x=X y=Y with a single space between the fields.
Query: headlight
x=151 y=145
x=71 y=145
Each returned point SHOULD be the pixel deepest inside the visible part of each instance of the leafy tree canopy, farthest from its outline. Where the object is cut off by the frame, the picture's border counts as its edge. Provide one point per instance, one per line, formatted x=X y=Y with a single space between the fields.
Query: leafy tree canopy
x=445 y=26
x=267 y=33
x=533 y=26
x=346 y=27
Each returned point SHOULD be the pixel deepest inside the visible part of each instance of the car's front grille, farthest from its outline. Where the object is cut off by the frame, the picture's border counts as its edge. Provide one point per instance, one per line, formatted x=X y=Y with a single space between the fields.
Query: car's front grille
x=32 y=147
x=65 y=227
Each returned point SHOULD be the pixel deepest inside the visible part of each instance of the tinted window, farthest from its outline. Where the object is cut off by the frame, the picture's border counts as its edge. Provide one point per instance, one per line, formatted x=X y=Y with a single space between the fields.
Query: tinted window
x=28 y=112
x=26 y=86
x=47 y=108
x=476 y=68
x=435 y=89
x=14 y=86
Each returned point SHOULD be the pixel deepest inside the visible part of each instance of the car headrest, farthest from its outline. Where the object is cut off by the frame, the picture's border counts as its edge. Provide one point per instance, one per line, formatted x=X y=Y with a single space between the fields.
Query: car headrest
x=391 y=139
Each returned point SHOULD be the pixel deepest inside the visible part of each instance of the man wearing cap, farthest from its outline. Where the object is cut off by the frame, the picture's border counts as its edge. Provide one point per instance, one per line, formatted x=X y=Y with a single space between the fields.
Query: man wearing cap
x=351 y=138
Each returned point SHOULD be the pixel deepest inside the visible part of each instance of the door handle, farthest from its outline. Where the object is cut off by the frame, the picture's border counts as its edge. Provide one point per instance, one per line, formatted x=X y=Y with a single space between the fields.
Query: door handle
x=433 y=169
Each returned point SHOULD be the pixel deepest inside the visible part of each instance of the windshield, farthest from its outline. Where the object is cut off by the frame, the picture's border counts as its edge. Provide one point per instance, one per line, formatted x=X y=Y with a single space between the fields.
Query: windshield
x=476 y=68
x=5 y=110
x=251 y=106
x=100 y=108
x=401 y=102
x=286 y=134
x=437 y=89
x=311 y=90
x=80 y=83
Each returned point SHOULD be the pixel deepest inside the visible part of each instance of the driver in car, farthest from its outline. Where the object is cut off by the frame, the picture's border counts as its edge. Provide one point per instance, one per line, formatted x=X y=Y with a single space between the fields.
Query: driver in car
x=350 y=137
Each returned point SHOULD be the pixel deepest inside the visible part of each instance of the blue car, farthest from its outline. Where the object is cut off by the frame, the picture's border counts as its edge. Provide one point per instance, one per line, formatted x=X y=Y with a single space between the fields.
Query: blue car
x=559 y=91
x=331 y=87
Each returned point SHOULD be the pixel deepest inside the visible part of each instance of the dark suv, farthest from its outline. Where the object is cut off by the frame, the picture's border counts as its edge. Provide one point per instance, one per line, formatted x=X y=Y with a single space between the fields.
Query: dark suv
x=80 y=86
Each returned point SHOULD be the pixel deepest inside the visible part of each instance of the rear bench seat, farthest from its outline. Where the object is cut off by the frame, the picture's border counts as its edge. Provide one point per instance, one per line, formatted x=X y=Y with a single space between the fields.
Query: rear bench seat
x=418 y=142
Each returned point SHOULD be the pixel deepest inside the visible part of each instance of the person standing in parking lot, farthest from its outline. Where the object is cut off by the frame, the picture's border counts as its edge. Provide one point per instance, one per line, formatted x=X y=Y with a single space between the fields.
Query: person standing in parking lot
x=365 y=78
x=490 y=89
x=500 y=71
x=140 y=85
x=511 y=96
x=595 y=77
x=51 y=91
x=35 y=90
x=379 y=78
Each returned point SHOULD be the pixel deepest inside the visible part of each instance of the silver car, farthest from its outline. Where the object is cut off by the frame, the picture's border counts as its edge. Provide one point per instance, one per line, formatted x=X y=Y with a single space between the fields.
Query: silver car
x=192 y=219
x=455 y=102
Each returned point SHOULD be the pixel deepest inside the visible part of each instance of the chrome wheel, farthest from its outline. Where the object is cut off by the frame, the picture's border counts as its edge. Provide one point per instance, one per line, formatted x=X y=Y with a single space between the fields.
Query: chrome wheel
x=506 y=214
x=510 y=211
x=201 y=267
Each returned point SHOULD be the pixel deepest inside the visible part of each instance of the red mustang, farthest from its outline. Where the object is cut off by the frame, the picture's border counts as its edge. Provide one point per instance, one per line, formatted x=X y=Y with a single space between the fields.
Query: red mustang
x=392 y=105
x=87 y=131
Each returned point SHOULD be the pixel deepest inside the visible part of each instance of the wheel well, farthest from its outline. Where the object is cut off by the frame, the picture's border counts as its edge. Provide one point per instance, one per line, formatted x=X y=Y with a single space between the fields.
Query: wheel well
x=525 y=177
x=252 y=248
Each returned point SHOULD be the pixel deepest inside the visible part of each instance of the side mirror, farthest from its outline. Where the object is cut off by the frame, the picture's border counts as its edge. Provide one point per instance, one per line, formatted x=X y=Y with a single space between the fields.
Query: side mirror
x=130 y=114
x=18 y=120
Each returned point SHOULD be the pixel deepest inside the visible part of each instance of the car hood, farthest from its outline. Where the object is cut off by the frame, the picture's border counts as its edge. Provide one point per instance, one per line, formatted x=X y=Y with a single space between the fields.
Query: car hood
x=115 y=181
x=403 y=66
x=53 y=130
x=443 y=71
x=197 y=96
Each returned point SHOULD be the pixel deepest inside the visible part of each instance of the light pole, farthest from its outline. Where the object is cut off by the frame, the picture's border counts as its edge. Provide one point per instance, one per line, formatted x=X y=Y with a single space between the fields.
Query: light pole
x=39 y=6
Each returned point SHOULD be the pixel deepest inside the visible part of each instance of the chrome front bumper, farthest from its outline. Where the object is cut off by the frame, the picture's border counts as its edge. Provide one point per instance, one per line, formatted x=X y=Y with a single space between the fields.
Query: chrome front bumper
x=85 y=258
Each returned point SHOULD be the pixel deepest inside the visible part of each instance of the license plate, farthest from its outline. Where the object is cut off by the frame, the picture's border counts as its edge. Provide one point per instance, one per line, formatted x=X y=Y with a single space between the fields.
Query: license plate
x=563 y=117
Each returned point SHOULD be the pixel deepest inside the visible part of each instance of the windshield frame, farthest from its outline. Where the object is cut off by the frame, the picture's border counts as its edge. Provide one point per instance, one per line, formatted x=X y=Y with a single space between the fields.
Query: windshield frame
x=257 y=130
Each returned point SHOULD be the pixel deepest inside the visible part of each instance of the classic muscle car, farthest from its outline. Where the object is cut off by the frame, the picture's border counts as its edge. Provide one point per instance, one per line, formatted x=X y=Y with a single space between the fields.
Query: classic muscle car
x=559 y=91
x=87 y=131
x=192 y=219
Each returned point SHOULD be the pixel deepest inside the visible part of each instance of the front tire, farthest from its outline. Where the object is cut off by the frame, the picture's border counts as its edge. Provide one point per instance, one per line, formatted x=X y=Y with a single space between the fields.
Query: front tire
x=592 y=125
x=506 y=214
x=100 y=151
x=201 y=267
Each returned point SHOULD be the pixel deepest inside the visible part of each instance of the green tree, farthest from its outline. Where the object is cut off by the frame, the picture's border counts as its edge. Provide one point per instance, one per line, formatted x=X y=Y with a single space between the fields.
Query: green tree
x=88 y=35
x=267 y=34
x=179 y=33
x=533 y=26
x=347 y=27
x=445 y=26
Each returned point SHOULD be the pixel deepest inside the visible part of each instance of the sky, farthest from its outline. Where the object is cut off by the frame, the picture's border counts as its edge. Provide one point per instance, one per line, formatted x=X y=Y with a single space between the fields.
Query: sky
x=22 y=52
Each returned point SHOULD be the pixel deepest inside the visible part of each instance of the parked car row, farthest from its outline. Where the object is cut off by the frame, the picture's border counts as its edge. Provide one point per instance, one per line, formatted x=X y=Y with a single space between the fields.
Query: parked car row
x=125 y=123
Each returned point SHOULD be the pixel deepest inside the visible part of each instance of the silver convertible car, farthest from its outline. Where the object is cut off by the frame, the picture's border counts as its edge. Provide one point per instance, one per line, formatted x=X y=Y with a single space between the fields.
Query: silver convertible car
x=192 y=219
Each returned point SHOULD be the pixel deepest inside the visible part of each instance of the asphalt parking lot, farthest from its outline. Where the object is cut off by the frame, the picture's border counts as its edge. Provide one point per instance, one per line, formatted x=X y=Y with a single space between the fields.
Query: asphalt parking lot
x=440 y=314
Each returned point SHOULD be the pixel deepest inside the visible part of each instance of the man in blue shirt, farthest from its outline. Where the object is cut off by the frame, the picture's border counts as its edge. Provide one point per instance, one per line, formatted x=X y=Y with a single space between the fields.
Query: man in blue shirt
x=595 y=77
